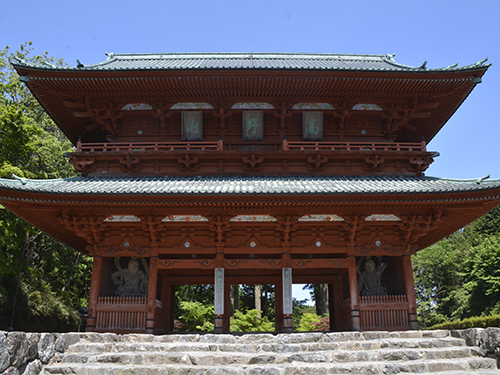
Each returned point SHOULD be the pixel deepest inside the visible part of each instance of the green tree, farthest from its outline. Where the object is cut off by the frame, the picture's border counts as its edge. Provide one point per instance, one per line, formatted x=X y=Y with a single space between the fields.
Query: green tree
x=251 y=321
x=54 y=278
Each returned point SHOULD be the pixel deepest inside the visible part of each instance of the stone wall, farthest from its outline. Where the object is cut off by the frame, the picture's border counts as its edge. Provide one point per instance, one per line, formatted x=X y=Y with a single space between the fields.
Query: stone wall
x=486 y=339
x=24 y=353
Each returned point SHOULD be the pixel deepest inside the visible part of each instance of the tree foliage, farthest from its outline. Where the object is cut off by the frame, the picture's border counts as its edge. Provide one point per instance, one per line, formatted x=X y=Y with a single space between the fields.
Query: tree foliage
x=459 y=277
x=251 y=321
x=54 y=278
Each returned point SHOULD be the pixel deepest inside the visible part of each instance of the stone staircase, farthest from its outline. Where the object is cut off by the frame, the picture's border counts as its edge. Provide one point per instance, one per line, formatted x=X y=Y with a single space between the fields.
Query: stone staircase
x=268 y=354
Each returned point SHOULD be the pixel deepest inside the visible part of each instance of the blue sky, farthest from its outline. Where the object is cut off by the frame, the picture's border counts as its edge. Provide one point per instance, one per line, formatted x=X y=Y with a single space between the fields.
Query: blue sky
x=440 y=32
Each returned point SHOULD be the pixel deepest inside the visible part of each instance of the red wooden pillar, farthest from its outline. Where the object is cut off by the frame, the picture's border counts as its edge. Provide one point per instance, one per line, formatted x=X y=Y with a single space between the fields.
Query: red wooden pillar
x=168 y=299
x=153 y=278
x=226 y=320
x=410 y=292
x=337 y=296
x=331 y=307
x=353 y=291
x=278 y=305
x=95 y=284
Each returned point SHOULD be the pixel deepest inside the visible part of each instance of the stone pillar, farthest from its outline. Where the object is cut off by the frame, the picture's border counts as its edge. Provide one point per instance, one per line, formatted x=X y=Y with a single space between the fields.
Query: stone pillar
x=153 y=279
x=168 y=299
x=353 y=292
x=287 y=300
x=219 y=300
x=95 y=285
x=410 y=291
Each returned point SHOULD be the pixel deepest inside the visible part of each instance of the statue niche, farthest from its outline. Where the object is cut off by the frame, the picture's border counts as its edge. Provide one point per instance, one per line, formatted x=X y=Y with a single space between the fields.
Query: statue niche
x=132 y=281
x=369 y=280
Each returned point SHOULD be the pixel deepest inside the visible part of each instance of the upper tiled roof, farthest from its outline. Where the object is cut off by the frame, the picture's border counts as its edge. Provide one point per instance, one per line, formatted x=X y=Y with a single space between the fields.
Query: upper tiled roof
x=238 y=185
x=250 y=61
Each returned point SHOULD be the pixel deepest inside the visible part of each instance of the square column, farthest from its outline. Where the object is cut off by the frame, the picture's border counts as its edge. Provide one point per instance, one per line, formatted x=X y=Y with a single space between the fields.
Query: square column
x=353 y=293
x=410 y=291
x=153 y=278
x=168 y=299
x=287 y=300
x=219 y=300
x=95 y=285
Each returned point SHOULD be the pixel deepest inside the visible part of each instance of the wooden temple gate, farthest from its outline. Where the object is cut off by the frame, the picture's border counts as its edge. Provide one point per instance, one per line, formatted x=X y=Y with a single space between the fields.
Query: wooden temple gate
x=231 y=169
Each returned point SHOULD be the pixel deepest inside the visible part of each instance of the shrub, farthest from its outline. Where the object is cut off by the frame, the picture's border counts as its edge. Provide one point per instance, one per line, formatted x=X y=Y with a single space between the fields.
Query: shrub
x=473 y=322
x=312 y=322
x=251 y=321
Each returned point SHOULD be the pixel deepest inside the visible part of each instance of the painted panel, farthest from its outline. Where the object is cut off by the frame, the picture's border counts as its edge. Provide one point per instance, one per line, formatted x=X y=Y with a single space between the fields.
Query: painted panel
x=366 y=107
x=313 y=106
x=312 y=126
x=253 y=125
x=252 y=106
x=219 y=291
x=136 y=107
x=321 y=218
x=247 y=218
x=192 y=126
x=184 y=218
x=382 y=218
x=192 y=106
x=121 y=218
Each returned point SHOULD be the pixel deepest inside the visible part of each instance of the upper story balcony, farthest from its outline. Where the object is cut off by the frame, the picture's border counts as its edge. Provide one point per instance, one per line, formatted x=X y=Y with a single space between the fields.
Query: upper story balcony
x=244 y=158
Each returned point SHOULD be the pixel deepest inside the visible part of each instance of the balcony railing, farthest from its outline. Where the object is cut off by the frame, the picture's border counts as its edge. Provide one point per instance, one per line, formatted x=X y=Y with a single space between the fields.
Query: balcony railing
x=353 y=146
x=247 y=146
x=149 y=146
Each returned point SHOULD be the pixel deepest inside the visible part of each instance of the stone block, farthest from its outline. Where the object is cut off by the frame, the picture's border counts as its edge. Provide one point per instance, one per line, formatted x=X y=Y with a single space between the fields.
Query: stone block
x=4 y=353
x=70 y=339
x=257 y=338
x=11 y=371
x=46 y=347
x=262 y=359
x=266 y=371
x=33 y=339
x=293 y=338
x=218 y=339
x=31 y=368
x=438 y=334
x=18 y=348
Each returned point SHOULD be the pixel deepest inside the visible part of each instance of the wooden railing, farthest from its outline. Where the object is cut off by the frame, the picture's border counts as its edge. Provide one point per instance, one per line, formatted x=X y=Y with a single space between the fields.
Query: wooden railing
x=249 y=146
x=352 y=146
x=384 y=313
x=115 y=314
x=149 y=146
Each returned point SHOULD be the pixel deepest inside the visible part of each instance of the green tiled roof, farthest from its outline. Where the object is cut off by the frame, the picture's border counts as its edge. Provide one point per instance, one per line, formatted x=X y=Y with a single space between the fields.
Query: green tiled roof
x=250 y=61
x=250 y=186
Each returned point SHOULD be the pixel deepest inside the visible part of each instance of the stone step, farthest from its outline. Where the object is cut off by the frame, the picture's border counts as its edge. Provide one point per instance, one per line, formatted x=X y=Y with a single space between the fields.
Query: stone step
x=87 y=347
x=263 y=357
x=453 y=366
x=254 y=338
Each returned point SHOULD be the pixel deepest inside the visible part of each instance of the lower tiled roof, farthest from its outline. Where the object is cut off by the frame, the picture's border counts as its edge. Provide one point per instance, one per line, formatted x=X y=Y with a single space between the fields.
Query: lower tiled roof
x=240 y=185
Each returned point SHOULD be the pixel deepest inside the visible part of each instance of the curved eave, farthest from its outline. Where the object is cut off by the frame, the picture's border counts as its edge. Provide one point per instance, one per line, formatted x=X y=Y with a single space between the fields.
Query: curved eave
x=338 y=188
x=461 y=201
x=449 y=87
